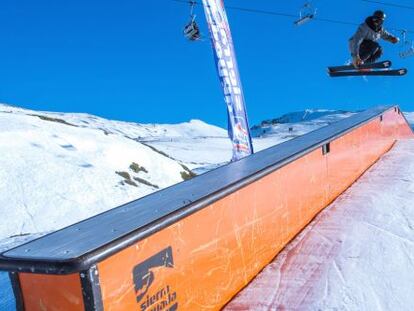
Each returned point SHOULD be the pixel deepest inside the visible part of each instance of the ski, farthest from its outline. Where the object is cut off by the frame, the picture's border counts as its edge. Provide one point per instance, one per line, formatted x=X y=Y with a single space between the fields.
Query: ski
x=391 y=72
x=379 y=65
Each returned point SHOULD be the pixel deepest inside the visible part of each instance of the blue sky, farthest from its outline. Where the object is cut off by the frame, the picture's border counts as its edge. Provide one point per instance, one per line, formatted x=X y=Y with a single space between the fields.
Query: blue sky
x=127 y=60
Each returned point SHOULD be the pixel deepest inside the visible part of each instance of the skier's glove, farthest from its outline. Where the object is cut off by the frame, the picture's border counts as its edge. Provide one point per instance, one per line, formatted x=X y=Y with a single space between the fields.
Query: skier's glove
x=356 y=61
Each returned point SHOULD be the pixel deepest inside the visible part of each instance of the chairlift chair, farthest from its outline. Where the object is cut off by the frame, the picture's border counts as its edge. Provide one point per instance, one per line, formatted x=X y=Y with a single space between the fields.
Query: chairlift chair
x=306 y=14
x=407 y=46
x=191 y=30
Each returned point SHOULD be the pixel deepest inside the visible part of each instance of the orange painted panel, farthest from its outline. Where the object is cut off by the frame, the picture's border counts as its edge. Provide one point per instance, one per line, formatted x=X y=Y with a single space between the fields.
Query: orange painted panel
x=51 y=292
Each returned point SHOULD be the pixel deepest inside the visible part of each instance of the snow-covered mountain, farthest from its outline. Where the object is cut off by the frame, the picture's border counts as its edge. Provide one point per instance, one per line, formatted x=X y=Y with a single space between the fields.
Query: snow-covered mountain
x=299 y=122
x=306 y=115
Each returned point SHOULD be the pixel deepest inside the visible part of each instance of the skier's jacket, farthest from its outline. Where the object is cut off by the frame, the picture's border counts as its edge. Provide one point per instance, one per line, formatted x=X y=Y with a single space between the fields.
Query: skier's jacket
x=367 y=31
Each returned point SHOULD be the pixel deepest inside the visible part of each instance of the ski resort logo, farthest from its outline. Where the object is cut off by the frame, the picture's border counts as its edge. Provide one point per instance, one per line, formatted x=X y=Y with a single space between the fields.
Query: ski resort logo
x=241 y=136
x=164 y=299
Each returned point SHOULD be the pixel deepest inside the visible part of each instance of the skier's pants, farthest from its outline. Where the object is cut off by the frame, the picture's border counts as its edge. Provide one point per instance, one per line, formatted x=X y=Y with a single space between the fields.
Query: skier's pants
x=369 y=51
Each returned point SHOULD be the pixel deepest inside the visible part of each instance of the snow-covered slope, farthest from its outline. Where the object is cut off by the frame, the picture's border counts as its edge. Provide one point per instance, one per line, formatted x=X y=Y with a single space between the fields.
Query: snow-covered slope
x=306 y=115
x=57 y=170
x=298 y=123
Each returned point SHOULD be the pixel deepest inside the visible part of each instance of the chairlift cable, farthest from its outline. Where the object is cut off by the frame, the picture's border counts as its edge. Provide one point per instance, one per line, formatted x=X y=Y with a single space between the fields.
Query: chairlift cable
x=274 y=13
x=401 y=6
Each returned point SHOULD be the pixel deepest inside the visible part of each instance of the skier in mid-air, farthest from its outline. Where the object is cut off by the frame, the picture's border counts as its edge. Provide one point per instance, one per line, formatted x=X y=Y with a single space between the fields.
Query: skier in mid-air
x=364 y=44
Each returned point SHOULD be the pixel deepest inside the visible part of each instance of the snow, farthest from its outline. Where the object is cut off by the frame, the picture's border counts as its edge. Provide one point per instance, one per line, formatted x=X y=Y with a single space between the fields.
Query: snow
x=307 y=115
x=358 y=254
x=291 y=125
x=53 y=174
x=410 y=118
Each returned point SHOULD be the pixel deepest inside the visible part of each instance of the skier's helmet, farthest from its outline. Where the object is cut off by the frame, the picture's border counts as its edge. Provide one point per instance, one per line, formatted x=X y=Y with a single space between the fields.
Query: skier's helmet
x=379 y=15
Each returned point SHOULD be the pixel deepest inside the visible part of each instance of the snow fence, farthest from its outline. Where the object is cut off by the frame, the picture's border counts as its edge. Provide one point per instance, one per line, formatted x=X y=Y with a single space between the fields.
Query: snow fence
x=193 y=246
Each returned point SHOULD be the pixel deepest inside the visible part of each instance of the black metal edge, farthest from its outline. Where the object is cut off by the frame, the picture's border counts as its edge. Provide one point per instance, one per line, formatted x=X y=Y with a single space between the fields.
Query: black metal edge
x=17 y=290
x=91 y=289
x=83 y=263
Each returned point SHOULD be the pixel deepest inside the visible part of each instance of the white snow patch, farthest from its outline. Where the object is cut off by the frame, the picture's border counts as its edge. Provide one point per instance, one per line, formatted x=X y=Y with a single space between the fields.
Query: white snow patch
x=54 y=174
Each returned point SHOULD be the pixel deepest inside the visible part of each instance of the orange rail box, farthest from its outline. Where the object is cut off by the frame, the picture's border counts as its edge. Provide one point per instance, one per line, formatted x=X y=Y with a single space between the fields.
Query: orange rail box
x=193 y=246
